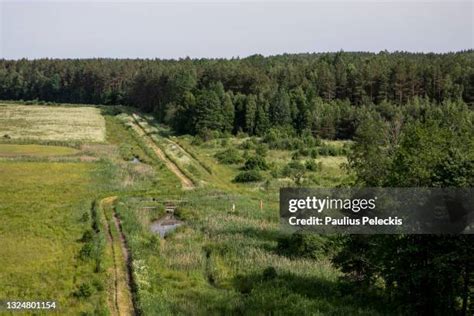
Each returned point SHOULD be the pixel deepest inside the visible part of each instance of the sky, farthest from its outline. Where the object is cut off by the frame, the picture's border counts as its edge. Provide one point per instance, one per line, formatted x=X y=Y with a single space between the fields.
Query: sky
x=158 y=29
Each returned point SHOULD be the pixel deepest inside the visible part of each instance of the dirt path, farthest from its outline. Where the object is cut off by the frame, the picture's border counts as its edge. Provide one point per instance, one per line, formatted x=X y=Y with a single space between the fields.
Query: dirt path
x=120 y=294
x=185 y=181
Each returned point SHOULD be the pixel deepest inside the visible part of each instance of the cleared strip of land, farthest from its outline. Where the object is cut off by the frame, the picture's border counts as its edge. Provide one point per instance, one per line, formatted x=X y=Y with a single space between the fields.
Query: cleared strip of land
x=51 y=123
x=120 y=295
x=185 y=181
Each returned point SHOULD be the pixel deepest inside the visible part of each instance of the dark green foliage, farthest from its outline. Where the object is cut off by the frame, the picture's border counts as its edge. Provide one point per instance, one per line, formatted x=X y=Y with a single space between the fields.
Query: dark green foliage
x=255 y=163
x=331 y=150
x=314 y=153
x=311 y=165
x=327 y=94
x=261 y=150
x=294 y=170
x=87 y=236
x=86 y=251
x=85 y=290
x=249 y=176
x=94 y=240
x=303 y=244
x=428 y=275
x=269 y=273
x=229 y=156
x=249 y=144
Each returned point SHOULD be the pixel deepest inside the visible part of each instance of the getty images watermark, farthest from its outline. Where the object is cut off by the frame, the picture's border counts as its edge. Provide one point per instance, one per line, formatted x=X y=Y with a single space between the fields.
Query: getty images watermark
x=379 y=210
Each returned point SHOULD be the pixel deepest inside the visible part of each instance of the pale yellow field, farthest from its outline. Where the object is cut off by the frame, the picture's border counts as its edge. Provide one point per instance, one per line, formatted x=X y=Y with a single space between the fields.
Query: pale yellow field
x=51 y=123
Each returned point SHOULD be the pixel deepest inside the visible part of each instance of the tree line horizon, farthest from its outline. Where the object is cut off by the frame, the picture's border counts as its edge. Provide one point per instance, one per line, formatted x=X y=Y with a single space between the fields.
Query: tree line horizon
x=326 y=94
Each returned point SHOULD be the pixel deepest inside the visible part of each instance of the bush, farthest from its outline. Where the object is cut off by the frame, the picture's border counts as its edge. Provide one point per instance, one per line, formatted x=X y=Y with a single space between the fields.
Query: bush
x=86 y=251
x=248 y=144
x=248 y=176
x=304 y=245
x=304 y=152
x=256 y=163
x=85 y=217
x=269 y=273
x=295 y=156
x=224 y=142
x=87 y=236
x=261 y=150
x=85 y=290
x=331 y=150
x=229 y=156
x=294 y=170
x=311 y=165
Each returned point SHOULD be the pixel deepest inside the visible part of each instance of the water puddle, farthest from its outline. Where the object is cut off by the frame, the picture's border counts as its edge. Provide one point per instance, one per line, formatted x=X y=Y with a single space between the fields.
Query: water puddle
x=165 y=225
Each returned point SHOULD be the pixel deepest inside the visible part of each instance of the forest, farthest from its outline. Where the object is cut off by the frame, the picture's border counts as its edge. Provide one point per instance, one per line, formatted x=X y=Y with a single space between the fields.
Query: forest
x=326 y=94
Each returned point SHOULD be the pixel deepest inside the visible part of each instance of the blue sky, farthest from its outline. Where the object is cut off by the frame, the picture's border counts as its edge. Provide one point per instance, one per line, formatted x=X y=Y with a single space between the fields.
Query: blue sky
x=158 y=29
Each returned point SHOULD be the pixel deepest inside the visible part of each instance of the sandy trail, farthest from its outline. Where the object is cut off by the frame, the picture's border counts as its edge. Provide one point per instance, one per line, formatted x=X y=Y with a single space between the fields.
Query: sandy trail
x=185 y=181
x=120 y=300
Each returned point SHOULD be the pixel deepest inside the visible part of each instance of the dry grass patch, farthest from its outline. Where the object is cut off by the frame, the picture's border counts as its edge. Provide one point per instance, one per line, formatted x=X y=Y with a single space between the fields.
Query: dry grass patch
x=52 y=123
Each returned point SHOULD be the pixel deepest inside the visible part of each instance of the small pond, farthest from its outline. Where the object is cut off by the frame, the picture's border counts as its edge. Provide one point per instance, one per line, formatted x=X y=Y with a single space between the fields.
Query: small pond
x=165 y=225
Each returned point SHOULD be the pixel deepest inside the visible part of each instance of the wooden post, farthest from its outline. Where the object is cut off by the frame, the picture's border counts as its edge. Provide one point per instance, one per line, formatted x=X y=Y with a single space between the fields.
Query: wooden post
x=261 y=205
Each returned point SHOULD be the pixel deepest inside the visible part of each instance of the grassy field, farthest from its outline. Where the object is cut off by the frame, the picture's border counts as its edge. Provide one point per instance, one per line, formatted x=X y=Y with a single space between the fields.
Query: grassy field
x=218 y=262
x=41 y=208
x=223 y=260
x=51 y=123
x=32 y=150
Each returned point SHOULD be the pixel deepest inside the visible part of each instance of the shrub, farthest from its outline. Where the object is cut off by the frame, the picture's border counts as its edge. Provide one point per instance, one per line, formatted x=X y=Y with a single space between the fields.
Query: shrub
x=261 y=150
x=295 y=156
x=269 y=273
x=86 y=251
x=331 y=150
x=85 y=290
x=197 y=141
x=224 y=142
x=311 y=165
x=256 y=163
x=248 y=176
x=304 y=245
x=294 y=170
x=247 y=145
x=85 y=217
x=87 y=236
x=229 y=156
x=304 y=152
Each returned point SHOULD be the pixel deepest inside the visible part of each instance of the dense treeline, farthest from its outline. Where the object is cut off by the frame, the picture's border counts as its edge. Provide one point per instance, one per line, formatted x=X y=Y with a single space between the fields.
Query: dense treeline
x=425 y=274
x=324 y=93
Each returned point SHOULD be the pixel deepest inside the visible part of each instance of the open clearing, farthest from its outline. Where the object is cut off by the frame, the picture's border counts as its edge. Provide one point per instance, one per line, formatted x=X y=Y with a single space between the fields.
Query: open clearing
x=41 y=205
x=13 y=150
x=51 y=123
x=214 y=263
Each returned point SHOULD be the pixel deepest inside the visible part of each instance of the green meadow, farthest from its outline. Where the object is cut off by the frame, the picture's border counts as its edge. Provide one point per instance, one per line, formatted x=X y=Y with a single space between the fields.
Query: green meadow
x=225 y=259
x=33 y=150
x=41 y=208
